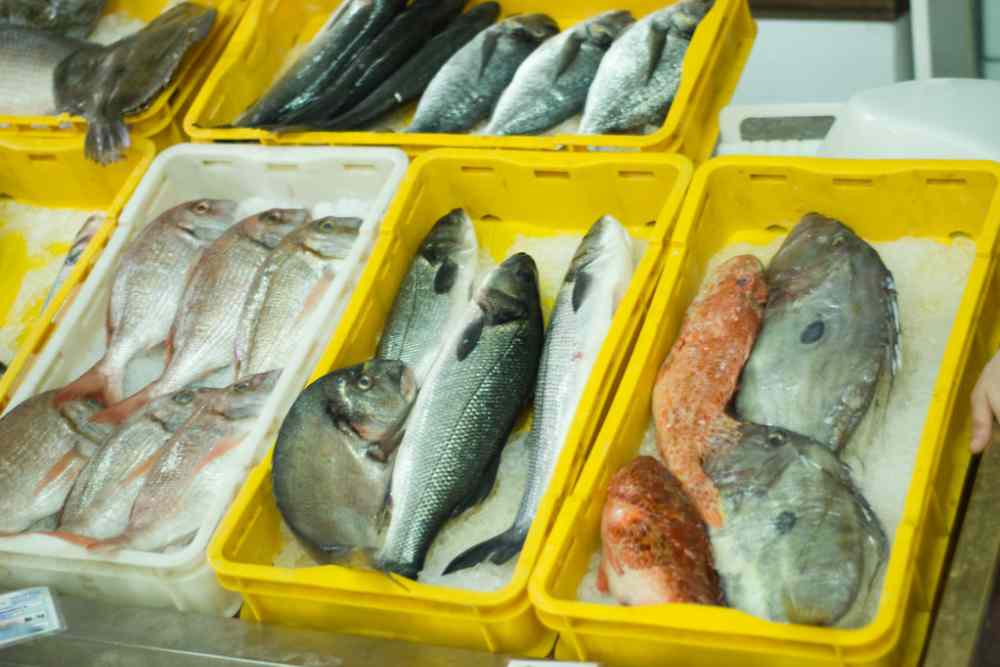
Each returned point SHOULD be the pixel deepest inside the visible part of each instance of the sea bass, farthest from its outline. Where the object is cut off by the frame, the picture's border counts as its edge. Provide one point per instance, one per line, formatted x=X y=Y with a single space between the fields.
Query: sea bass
x=433 y=295
x=654 y=545
x=287 y=290
x=799 y=543
x=830 y=334
x=43 y=448
x=411 y=79
x=203 y=335
x=466 y=89
x=640 y=75
x=697 y=379
x=333 y=460
x=464 y=413
x=194 y=470
x=74 y=18
x=28 y=61
x=147 y=290
x=596 y=281
x=552 y=84
x=351 y=26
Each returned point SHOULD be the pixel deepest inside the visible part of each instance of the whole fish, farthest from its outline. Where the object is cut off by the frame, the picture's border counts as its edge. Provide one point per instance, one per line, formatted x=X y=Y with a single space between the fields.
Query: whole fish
x=147 y=290
x=80 y=243
x=639 y=77
x=43 y=448
x=352 y=25
x=596 y=281
x=101 y=501
x=552 y=84
x=830 y=334
x=464 y=413
x=399 y=40
x=333 y=459
x=287 y=290
x=74 y=18
x=799 y=543
x=28 y=61
x=410 y=80
x=195 y=468
x=203 y=335
x=467 y=88
x=696 y=382
x=434 y=294
x=654 y=545
x=104 y=85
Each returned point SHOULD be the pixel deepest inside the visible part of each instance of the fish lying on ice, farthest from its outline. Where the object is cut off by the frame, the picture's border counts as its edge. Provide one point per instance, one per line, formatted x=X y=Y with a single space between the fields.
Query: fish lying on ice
x=28 y=61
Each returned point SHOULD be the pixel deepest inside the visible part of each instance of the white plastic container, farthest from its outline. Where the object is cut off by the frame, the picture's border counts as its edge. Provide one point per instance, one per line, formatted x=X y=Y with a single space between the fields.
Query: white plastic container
x=326 y=180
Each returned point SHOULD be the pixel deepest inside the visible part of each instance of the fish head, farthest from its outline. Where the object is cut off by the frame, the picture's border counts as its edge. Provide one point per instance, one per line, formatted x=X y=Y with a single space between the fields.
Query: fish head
x=270 y=227
x=331 y=237
x=245 y=399
x=372 y=399
x=205 y=219
x=742 y=276
x=607 y=243
x=78 y=414
x=530 y=27
x=514 y=282
x=81 y=80
x=812 y=247
x=451 y=234
x=606 y=28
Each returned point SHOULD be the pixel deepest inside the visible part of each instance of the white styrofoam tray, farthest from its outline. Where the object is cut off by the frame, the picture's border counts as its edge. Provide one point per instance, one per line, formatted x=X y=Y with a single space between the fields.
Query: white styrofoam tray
x=343 y=181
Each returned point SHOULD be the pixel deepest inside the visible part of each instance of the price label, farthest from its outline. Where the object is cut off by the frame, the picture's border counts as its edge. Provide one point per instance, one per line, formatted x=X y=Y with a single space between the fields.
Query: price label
x=28 y=614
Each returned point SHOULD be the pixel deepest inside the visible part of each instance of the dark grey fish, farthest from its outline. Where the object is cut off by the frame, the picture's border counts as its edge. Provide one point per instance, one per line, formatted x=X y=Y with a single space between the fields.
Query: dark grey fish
x=352 y=26
x=551 y=85
x=640 y=74
x=410 y=80
x=434 y=294
x=798 y=543
x=464 y=413
x=333 y=460
x=28 y=61
x=74 y=18
x=830 y=334
x=466 y=89
x=104 y=85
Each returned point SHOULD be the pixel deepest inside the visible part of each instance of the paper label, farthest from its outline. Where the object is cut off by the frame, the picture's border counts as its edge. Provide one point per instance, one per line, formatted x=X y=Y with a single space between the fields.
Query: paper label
x=27 y=614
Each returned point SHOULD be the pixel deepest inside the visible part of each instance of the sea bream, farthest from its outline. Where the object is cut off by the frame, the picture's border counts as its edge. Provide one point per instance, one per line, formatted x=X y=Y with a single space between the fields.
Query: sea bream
x=464 y=413
x=595 y=283
x=147 y=290
x=641 y=73
x=333 y=460
x=287 y=290
x=203 y=335
x=43 y=448
x=467 y=88
x=433 y=295
x=830 y=335
x=551 y=85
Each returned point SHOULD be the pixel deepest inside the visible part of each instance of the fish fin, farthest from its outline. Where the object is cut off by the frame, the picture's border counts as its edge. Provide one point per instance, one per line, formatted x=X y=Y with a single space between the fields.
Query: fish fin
x=581 y=285
x=482 y=491
x=490 y=40
x=146 y=466
x=445 y=277
x=567 y=55
x=109 y=546
x=498 y=550
x=221 y=448
x=470 y=337
x=107 y=140
x=119 y=412
x=72 y=538
x=656 y=41
x=408 y=570
x=602 y=579
x=91 y=383
x=61 y=466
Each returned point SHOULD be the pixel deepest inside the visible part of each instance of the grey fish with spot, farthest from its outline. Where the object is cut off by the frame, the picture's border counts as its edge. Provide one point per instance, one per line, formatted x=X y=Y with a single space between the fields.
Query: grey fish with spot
x=333 y=460
x=830 y=335
x=43 y=449
x=73 y=18
x=28 y=61
x=551 y=86
x=467 y=88
x=798 y=543
x=433 y=295
x=288 y=289
x=641 y=73
x=464 y=413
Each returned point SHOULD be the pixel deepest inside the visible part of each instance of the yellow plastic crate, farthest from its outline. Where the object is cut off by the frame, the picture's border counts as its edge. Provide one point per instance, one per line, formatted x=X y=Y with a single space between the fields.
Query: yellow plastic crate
x=55 y=174
x=754 y=200
x=506 y=194
x=272 y=27
x=163 y=119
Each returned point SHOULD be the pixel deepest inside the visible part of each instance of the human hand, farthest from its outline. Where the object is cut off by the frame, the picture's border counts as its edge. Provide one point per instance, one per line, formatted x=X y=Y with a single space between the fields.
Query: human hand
x=985 y=405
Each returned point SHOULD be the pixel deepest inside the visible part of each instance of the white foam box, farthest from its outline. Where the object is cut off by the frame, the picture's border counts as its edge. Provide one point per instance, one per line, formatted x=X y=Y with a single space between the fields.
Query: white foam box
x=347 y=181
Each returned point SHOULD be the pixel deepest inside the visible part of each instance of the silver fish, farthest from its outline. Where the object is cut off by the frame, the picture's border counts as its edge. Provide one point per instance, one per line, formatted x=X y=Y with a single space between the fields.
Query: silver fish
x=464 y=413
x=287 y=290
x=147 y=290
x=640 y=74
x=552 y=84
x=43 y=448
x=28 y=61
x=434 y=293
x=466 y=89
x=798 y=542
x=596 y=281
x=333 y=460
x=830 y=334
x=203 y=335
x=80 y=243
x=74 y=18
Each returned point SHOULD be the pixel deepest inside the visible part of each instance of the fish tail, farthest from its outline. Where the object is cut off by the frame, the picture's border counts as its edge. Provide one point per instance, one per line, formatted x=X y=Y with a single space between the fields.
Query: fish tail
x=119 y=412
x=389 y=566
x=94 y=382
x=498 y=550
x=107 y=140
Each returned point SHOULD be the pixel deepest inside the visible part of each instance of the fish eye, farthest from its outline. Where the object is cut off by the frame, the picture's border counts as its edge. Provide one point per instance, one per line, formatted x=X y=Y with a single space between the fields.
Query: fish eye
x=327 y=225
x=202 y=207
x=812 y=333
x=270 y=216
x=742 y=281
x=184 y=397
x=365 y=382
x=244 y=386
x=775 y=439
